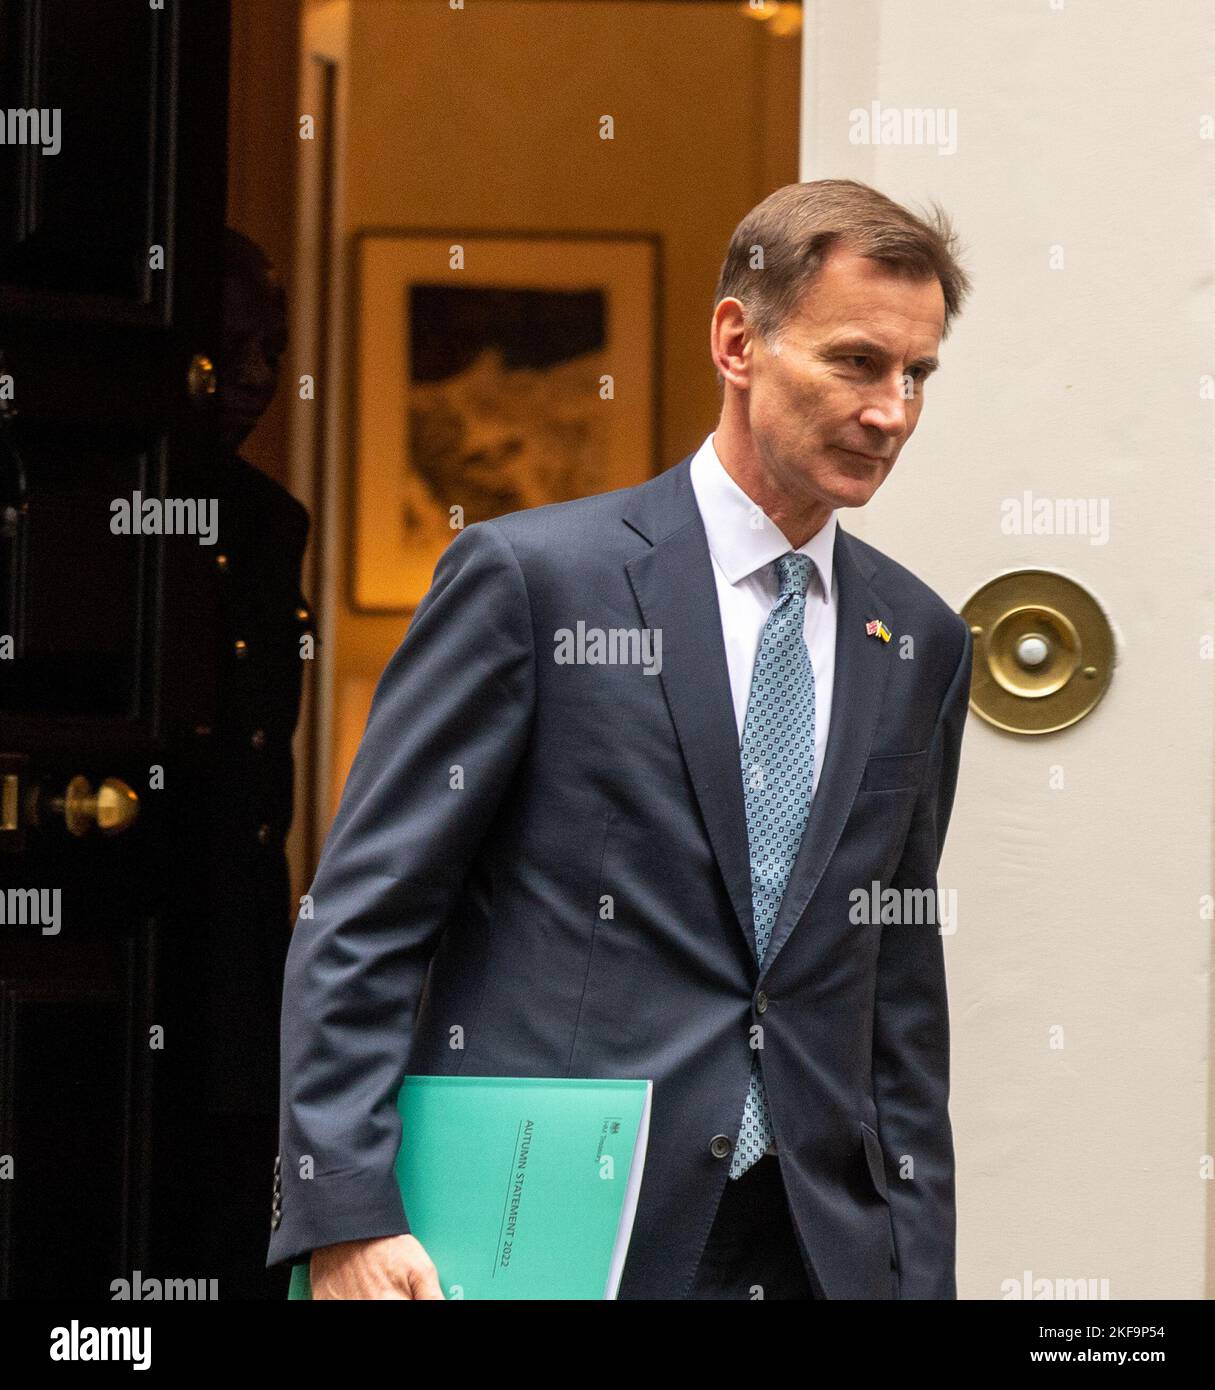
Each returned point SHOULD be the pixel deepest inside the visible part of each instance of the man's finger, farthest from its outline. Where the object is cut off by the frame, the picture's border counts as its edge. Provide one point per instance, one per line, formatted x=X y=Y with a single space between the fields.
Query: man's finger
x=426 y=1282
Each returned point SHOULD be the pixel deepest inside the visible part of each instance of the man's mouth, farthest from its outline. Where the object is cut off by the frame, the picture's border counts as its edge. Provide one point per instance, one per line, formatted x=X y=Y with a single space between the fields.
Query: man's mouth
x=870 y=458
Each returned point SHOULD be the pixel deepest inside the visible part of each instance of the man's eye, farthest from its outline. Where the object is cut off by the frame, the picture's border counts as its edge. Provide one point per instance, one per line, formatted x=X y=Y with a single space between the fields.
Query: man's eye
x=857 y=359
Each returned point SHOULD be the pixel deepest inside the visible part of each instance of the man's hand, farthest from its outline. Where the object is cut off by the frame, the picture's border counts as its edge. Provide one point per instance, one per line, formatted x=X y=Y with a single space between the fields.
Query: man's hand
x=384 y=1267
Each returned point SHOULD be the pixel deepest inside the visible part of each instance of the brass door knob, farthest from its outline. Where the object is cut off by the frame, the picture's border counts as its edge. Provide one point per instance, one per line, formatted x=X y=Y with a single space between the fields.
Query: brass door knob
x=200 y=377
x=112 y=808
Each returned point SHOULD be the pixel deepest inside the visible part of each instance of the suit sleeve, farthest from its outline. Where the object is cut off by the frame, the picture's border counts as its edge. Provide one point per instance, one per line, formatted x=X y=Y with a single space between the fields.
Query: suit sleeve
x=911 y=1029
x=458 y=692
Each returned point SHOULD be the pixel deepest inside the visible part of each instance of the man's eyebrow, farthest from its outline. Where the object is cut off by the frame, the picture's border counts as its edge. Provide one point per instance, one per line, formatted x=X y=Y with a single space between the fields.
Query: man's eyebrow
x=857 y=346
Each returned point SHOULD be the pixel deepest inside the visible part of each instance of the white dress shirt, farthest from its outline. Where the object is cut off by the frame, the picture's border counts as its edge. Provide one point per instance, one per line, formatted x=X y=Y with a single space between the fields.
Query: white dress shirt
x=744 y=545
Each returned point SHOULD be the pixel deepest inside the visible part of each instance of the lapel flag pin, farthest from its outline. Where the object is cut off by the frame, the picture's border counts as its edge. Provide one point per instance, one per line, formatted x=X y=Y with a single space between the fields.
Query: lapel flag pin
x=877 y=629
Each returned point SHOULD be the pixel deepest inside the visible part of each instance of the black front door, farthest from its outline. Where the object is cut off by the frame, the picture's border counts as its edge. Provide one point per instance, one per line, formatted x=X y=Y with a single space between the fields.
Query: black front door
x=112 y=181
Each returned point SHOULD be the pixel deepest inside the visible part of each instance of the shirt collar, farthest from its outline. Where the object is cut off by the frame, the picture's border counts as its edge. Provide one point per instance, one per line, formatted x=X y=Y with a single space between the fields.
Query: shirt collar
x=740 y=546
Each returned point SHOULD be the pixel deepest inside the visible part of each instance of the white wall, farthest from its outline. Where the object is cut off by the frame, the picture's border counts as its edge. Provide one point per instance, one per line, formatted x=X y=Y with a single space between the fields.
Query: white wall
x=1079 y=127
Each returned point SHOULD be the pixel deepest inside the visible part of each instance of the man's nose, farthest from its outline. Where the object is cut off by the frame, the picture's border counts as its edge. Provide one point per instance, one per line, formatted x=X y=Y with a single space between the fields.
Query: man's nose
x=886 y=409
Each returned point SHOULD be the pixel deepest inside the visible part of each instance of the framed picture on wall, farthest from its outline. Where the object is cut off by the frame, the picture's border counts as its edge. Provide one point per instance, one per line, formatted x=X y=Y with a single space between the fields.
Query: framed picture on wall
x=493 y=371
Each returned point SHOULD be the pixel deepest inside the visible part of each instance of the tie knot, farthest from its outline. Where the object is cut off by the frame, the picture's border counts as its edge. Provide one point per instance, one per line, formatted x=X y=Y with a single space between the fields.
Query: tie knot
x=794 y=571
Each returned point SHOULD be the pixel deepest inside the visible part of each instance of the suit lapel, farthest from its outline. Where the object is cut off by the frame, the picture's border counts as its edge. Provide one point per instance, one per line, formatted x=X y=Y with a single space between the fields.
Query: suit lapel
x=676 y=591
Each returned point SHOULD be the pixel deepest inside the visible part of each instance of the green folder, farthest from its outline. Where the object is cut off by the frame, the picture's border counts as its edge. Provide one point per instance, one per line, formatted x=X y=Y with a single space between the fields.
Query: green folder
x=520 y=1187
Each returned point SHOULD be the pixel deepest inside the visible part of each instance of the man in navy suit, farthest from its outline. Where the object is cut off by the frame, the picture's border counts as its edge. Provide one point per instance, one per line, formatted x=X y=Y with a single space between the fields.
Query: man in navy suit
x=629 y=791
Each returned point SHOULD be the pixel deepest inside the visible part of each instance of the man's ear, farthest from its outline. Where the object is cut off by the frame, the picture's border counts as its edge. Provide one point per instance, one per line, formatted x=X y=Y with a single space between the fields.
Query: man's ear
x=732 y=343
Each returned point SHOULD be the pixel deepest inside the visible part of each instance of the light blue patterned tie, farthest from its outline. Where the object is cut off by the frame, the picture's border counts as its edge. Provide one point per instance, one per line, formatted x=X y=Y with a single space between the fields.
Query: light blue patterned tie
x=778 y=780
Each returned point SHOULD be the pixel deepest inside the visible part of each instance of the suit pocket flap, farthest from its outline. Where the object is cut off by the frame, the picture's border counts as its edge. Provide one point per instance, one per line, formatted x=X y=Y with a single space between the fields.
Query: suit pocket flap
x=873 y=1156
x=890 y=771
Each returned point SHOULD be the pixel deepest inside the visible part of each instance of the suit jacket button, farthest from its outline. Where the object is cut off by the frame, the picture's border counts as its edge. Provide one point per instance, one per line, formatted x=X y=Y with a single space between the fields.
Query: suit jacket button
x=761 y=1003
x=719 y=1146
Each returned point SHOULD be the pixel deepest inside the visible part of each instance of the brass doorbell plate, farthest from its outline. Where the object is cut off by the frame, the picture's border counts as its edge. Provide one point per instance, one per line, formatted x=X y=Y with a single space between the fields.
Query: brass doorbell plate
x=1044 y=651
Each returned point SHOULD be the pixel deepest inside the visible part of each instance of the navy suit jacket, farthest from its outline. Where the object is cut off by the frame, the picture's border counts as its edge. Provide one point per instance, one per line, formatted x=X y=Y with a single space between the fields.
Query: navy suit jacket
x=500 y=796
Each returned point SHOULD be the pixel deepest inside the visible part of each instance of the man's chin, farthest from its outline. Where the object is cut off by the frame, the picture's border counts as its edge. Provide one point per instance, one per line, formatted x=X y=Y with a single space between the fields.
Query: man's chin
x=853 y=492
